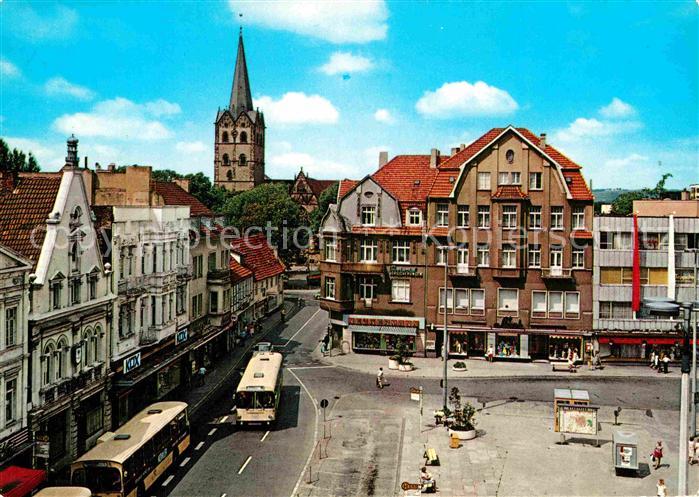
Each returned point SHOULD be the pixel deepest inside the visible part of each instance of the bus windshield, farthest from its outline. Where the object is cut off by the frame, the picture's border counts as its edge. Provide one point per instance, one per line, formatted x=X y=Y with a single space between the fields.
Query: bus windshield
x=255 y=400
x=99 y=480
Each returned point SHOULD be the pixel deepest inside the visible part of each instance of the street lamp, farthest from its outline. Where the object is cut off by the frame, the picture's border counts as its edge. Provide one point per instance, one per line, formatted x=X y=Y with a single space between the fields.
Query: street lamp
x=445 y=337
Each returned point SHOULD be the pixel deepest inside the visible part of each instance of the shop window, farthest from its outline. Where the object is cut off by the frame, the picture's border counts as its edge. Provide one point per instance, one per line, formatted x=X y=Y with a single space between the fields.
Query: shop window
x=458 y=344
x=400 y=290
x=401 y=252
x=508 y=300
x=563 y=348
x=93 y=421
x=462 y=216
x=442 y=214
x=507 y=346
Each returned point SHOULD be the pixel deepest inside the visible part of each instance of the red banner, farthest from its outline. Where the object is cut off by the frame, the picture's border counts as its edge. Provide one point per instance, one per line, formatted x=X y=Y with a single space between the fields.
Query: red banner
x=636 y=282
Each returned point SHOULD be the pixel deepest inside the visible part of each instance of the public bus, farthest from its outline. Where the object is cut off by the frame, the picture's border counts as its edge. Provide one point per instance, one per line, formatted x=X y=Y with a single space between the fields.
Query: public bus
x=64 y=492
x=126 y=463
x=259 y=390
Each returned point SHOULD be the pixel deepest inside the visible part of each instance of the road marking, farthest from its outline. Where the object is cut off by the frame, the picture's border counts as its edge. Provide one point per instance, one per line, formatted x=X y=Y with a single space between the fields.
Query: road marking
x=169 y=479
x=185 y=461
x=301 y=328
x=223 y=419
x=265 y=436
x=223 y=495
x=199 y=446
x=245 y=464
x=315 y=436
x=309 y=367
x=213 y=430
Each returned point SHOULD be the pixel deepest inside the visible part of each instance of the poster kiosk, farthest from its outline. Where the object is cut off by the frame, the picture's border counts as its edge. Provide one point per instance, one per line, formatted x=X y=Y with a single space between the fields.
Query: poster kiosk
x=574 y=414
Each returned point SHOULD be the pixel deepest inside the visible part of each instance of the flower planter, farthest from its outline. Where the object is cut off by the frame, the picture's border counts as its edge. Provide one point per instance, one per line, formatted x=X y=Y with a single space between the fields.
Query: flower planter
x=454 y=368
x=405 y=367
x=463 y=434
x=393 y=364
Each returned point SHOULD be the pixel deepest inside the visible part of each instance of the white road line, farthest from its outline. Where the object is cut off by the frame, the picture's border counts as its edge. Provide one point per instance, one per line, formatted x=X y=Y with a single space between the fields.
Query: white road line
x=265 y=436
x=185 y=461
x=301 y=328
x=199 y=446
x=213 y=430
x=223 y=419
x=223 y=495
x=245 y=464
x=169 y=479
x=308 y=367
x=315 y=435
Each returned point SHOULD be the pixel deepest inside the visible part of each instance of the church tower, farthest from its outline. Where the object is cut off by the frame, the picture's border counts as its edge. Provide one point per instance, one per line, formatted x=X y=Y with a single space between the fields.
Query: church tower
x=239 y=142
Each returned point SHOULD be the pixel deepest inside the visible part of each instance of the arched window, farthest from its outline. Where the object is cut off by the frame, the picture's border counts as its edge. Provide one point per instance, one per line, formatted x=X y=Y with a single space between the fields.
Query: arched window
x=243 y=137
x=61 y=362
x=226 y=160
x=48 y=366
x=89 y=349
x=242 y=160
x=224 y=137
x=97 y=343
x=229 y=175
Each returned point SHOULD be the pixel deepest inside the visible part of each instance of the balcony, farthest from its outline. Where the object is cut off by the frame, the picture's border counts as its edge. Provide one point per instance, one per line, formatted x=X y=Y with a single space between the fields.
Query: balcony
x=131 y=286
x=218 y=275
x=337 y=305
x=67 y=386
x=507 y=272
x=556 y=273
x=149 y=336
x=184 y=273
x=362 y=267
x=462 y=270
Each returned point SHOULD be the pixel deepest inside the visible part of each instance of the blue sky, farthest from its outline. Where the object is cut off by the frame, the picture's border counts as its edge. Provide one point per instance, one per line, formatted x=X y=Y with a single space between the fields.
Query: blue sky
x=614 y=85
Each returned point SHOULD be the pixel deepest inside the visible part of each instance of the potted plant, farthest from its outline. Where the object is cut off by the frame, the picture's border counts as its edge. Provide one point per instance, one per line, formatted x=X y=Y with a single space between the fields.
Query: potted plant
x=459 y=366
x=404 y=354
x=464 y=424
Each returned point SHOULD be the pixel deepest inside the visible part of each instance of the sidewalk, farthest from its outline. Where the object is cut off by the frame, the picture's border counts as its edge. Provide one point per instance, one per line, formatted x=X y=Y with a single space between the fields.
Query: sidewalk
x=220 y=374
x=479 y=368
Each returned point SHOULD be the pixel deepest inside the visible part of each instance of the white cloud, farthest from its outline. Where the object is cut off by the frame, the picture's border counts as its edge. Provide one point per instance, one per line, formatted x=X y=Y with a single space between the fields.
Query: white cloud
x=8 y=69
x=49 y=156
x=288 y=163
x=54 y=23
x=61 y=86
x=617 y=108
x=345 y=21
x=346 y=62
x=162 y=107
x=461 y=99
x=588 y=128
x=190 y=147
x=384 y=116
x=105 y=152
x=298 y=108
x=118 y=118
x=633 y=159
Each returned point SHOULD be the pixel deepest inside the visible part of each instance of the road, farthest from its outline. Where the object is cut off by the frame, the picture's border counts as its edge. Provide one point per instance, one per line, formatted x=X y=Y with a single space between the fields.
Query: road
x=251 y=462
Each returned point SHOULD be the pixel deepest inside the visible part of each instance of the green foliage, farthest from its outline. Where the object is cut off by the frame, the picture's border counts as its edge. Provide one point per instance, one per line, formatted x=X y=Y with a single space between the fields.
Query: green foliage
x=214 y=197
x=17 y=161
x=623 y=205
x=463 y=413
x=328 y=197
x=165 y=175
x=269 y=205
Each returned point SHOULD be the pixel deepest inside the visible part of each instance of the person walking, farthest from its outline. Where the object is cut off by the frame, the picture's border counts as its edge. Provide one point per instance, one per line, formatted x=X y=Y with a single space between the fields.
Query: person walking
x=691 y=451
x=379 y=378
x=662 y=489
x=489 y=354
x=202 y=375
x=666 y=363
x=657 y=454
x=651 y=363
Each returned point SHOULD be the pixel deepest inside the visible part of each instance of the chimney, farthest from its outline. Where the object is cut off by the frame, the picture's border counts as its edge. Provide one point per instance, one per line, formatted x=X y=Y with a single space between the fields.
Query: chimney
x=462 y=146
x=454 y=150
x=72 y=159
x=111 y=167
x=383 y=158
x=182 y=183
x=434 y=156
x=542 y=140
x=8 y=179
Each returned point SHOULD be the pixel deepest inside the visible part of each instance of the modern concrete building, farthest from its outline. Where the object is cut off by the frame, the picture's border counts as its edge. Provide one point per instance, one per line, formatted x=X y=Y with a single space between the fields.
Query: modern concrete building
x=505 y=222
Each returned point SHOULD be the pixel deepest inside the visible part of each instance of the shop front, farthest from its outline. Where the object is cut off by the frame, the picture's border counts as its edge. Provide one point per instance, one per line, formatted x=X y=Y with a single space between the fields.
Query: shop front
x=563 y=347
x=383 y=334
x=467 y=343
x=639 y=347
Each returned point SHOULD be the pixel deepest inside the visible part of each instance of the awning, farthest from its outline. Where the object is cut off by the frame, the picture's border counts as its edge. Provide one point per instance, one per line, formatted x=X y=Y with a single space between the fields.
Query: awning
x=386 y=330
x=640 y=340
x=18 y=482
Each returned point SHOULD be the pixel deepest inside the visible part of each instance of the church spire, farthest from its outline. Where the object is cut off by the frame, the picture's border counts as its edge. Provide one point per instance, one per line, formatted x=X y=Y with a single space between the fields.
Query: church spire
x=240 y=93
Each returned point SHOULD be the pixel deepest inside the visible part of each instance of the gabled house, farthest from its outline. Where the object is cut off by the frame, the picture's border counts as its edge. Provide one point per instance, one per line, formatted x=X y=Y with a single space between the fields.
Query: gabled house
x=306 y=190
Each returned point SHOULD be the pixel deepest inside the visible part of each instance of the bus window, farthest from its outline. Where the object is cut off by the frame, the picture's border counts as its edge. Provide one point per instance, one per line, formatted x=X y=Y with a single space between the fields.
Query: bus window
x=244 y=400
x=99 y=480
x=265 y=400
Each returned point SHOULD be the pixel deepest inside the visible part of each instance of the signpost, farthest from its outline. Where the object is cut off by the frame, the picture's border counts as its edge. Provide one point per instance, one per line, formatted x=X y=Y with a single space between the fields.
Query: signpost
x=324 y=405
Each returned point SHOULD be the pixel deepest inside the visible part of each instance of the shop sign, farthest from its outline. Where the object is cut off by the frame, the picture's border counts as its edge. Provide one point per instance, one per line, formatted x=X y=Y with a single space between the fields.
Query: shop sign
x=133 y=362
x=403 y=272
x=77 y=354
x=41 y=448
x=406 y=485
x=181 y=336
x=415 y=393
x=581 y=420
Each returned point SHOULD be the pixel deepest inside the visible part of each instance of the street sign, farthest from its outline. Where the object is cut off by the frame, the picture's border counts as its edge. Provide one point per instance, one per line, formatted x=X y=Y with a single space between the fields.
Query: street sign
x=324 y=403
x=41 y=448
x=181 y=336
x=406 y=485
x=415 y=393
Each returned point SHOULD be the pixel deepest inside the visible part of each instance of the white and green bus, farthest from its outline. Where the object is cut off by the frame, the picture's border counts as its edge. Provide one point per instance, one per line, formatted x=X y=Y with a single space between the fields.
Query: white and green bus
x=260 y=388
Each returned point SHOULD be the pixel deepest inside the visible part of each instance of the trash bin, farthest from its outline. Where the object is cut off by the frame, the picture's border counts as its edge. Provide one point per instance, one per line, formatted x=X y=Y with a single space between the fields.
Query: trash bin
x=625 y=451
x=454 y=441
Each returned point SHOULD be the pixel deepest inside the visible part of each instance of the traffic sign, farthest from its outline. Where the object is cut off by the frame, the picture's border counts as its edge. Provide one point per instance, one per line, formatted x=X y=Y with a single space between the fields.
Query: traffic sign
x=324 y=403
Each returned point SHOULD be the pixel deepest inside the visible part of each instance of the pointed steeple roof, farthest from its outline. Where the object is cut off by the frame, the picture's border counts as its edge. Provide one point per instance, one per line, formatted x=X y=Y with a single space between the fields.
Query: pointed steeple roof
x=240 y=93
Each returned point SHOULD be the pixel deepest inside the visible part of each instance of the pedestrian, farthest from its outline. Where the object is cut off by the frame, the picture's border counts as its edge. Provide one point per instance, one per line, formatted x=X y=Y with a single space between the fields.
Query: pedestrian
x=651 y=364
x=657 y=454
x=379 y=378
x=656 y=361
x=666 y=363
x=659 y=362
x=691 y=451
x=662 y=489
x=489 y=354
x=202 y=374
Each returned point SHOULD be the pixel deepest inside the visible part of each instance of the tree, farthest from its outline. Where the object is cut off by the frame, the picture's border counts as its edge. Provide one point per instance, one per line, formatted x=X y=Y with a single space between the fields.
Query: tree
x=214 y=197
x=270 y=205
x=16 y=161
x=623 y=205
x=165 y=175
x=329 y=196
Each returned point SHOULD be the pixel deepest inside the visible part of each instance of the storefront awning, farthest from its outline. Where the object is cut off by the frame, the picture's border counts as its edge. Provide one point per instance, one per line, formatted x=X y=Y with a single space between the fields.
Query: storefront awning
x=640 y=340
x=386 y=330
x=18 y=482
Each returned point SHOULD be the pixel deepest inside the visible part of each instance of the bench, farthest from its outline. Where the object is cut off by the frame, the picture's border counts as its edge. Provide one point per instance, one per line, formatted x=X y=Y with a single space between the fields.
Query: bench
x=431 y=457
x=560 y=366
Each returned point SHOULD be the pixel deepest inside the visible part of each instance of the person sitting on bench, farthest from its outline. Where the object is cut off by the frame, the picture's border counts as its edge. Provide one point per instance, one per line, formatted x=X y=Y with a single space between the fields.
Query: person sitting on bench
x=429 y=485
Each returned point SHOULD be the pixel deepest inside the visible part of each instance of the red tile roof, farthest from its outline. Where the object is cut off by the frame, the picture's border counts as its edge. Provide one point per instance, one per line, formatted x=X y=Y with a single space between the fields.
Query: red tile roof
x=238 y=271
x=320 y=185
x=345 y=186
x=257 y=255
x=564 y=161
x=509 y=192
x=407 y=177
x=467 y=153
x=577 y=185
x=444 y=182
x=24 y=210
x=174 y=194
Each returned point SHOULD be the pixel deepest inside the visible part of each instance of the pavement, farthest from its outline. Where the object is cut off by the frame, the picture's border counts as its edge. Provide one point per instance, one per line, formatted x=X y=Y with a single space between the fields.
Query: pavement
x=480 y=368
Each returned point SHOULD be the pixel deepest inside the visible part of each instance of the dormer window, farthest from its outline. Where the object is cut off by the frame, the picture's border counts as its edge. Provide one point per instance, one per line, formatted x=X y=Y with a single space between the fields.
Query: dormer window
x=414 y=217
x=369 y=215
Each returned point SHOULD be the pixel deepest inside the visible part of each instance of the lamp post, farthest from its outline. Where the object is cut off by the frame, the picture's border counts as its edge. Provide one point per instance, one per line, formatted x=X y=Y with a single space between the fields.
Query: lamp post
x=445 y=337
x=694 y=345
